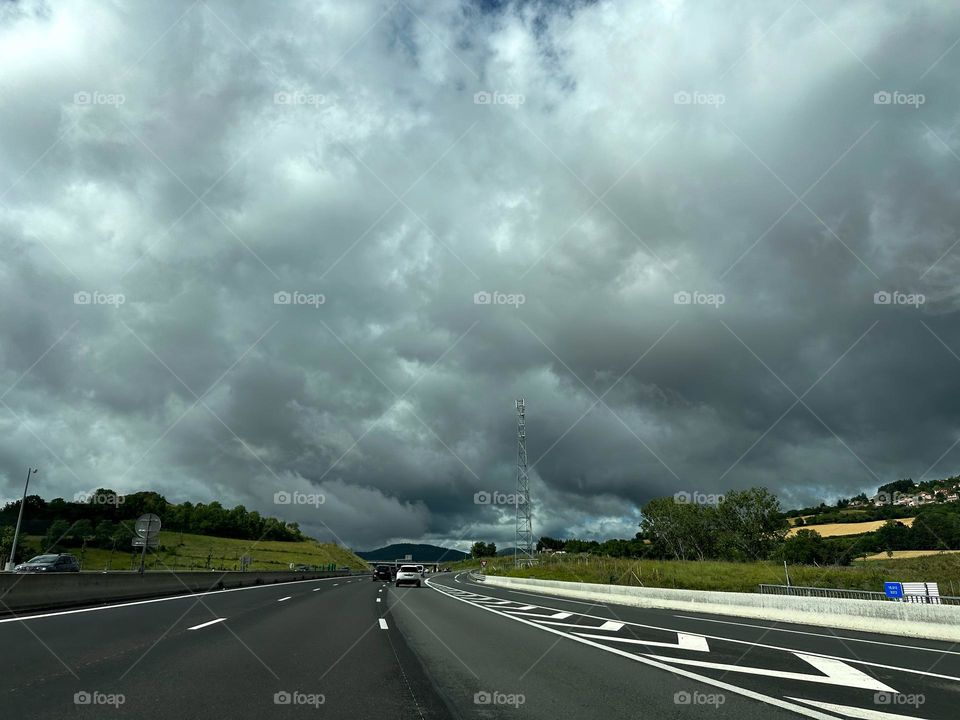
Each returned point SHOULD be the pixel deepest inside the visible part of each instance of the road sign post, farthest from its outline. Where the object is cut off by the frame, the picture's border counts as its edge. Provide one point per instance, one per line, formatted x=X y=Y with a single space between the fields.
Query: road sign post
x=148 y=532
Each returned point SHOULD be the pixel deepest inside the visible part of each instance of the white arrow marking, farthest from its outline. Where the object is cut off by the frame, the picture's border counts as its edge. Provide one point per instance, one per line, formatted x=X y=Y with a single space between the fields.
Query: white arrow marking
x=856 y=712
x=684 y=641
x=836 y=672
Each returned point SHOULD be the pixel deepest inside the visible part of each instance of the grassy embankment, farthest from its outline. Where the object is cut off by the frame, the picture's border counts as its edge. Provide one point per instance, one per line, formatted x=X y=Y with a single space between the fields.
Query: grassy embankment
x=190 y=552
x=943 y=568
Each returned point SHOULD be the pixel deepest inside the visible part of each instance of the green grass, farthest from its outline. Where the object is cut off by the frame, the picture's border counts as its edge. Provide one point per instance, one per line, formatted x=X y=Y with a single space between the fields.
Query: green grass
x=734 y=576
x=190 y=552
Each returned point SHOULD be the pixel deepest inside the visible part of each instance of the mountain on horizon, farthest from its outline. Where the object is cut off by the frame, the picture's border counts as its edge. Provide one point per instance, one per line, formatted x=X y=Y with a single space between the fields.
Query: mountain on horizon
x=424 y=553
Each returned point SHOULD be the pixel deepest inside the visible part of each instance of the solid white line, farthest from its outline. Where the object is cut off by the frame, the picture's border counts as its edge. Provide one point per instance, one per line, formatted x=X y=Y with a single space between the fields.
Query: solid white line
x=800 y=709
x=206 y=624
x=146 y=602
x=383 y=624
x=856 y=712
x=824 y=635
x=286 y=598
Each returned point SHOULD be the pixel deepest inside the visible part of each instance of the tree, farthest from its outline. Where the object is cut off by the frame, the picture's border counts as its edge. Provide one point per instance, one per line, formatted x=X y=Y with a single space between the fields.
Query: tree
x=481 y=549
x=750 y=524
x=804 y=548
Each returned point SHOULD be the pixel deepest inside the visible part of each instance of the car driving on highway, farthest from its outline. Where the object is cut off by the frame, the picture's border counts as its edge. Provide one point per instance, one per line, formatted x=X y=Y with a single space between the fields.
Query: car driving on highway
x=382 y=573
x=408 y=575
x=62 y=562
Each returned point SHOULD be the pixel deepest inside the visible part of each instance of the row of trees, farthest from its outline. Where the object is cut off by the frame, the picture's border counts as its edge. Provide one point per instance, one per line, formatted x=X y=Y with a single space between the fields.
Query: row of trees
x=746 y=525
x=106 y=519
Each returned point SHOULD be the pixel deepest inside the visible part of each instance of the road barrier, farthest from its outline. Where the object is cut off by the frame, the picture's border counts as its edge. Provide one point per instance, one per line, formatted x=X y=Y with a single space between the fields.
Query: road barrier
x=36 y=591
x=921 y=620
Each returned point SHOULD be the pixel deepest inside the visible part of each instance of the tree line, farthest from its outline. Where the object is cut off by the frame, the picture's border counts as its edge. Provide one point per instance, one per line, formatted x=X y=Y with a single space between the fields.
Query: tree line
x=106 y=519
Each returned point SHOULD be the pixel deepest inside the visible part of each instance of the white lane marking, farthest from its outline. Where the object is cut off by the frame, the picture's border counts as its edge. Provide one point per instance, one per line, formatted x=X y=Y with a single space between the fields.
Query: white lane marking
x=378 y=599
x=189 y=596
x=286 y=598
x=684 y=641
x=206 y=624
x=855 y=712
x=335 y=584
x=844 y=638
x=554 y=598
x=836 y=672
x=555 y=616
x=317 y=589
x=383 y=624
x=646 y=660
x=778 y=648
x=612 y=626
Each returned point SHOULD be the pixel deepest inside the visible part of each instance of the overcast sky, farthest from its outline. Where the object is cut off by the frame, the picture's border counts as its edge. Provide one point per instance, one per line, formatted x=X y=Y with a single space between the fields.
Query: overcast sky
x=166 y=169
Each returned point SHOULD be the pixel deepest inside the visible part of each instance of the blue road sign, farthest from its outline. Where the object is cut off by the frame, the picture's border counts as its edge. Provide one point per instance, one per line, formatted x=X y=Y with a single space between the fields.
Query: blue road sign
x=893 y=589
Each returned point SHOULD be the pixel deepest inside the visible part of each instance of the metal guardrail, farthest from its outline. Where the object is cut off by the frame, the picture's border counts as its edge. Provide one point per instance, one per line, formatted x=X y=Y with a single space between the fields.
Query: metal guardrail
x=800 y=591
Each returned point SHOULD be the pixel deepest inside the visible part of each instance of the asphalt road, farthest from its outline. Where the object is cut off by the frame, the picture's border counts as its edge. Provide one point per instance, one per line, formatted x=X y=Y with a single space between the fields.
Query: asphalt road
x=352 y=648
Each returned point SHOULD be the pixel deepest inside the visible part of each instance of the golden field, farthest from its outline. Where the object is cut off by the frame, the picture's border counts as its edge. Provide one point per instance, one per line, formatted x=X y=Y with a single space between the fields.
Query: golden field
x=837 y=529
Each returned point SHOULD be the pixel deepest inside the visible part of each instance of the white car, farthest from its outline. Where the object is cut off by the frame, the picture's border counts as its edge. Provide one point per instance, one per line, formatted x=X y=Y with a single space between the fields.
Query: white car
x=408 y=575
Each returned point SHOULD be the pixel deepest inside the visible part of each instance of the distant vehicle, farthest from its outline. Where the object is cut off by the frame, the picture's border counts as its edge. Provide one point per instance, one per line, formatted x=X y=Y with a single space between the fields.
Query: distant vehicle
x=382 y=573
x=301 y=568
x=408 y=575
x=62 y=562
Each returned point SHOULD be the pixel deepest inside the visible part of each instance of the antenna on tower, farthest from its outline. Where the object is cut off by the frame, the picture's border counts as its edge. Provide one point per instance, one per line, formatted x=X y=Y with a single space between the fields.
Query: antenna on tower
x=523 y=552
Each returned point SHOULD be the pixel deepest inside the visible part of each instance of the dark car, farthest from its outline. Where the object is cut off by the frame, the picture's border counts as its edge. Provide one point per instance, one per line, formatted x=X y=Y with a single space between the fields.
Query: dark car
x=49 y=563
x=382 y=573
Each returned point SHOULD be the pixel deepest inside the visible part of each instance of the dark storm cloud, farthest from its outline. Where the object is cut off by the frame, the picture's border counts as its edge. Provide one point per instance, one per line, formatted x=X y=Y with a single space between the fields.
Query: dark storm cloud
x=795 y=160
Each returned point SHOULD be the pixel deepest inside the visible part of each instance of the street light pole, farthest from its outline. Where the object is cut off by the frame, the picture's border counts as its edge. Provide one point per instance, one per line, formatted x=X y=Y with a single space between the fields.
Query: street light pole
x=16 y=533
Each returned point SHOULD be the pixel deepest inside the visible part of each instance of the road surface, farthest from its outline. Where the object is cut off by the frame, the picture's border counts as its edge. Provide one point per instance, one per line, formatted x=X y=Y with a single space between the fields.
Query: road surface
x=353 y=648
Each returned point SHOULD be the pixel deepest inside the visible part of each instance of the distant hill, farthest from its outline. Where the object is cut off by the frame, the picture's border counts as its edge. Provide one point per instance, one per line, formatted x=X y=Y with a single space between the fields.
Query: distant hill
x=504 y=552
x=426 y=553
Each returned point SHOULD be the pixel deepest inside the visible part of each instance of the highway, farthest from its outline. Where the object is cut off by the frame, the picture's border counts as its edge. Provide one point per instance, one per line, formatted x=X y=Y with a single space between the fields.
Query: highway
x=352 y=648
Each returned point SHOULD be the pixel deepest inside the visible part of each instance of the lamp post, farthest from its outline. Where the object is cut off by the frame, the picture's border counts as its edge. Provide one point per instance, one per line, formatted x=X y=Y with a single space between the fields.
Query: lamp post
x=16 y=533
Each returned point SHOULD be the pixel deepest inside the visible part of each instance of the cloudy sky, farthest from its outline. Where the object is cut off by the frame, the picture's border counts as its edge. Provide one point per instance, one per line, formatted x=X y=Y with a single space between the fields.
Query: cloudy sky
x=241 y=249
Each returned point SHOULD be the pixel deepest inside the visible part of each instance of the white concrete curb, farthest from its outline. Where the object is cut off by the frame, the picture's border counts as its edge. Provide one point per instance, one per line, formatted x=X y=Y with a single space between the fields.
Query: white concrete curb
x=936 y=622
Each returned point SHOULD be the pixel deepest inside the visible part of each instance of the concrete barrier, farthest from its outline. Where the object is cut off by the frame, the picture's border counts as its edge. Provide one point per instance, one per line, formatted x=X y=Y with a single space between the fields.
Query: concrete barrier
x=936 y=622
x=36 y=591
